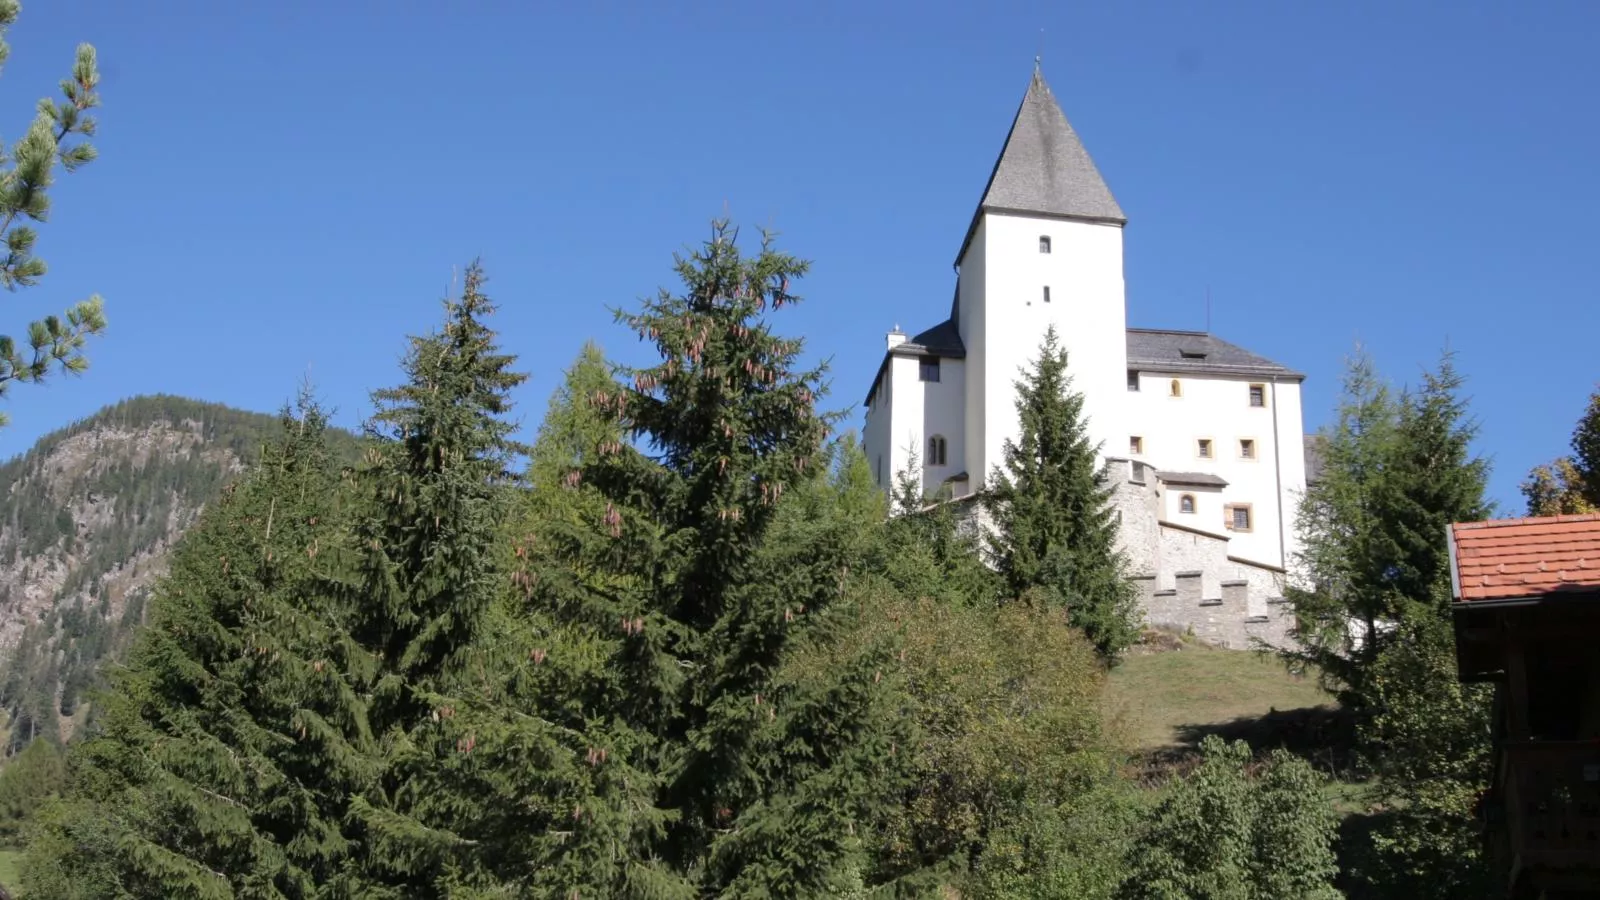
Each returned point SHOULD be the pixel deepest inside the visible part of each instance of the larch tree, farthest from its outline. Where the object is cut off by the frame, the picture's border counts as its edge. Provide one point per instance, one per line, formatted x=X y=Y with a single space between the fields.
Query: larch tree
x=59 y=135
x=1055 y=534
x=1570 y=485
x=231 y=741
x=1397 y=470
x=1373 y=618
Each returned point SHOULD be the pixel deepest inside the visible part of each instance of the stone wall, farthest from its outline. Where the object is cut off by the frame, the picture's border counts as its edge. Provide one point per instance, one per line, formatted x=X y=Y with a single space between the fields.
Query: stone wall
x=1184 y=577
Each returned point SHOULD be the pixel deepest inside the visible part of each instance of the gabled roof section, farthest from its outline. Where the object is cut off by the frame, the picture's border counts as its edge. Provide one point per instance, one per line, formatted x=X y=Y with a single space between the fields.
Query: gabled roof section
x=1193 y=479
x=1044 y=169
x=1525 y=559
x=1159 y=350
x=942 y=340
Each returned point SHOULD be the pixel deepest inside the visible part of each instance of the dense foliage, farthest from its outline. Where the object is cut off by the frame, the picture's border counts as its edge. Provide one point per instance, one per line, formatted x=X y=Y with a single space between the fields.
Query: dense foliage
x=1223 y=833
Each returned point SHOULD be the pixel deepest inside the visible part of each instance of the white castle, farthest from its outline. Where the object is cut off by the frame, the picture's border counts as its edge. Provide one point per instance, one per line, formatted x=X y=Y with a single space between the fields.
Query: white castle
x=1203 y=438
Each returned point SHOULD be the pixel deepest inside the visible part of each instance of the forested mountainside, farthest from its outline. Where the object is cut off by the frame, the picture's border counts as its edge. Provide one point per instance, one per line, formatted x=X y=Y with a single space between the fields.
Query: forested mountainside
x=87 y=517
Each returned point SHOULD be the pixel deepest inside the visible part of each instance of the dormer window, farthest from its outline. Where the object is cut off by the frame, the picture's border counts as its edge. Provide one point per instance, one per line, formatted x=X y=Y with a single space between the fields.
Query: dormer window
x=928 y=368
x=1044 y=243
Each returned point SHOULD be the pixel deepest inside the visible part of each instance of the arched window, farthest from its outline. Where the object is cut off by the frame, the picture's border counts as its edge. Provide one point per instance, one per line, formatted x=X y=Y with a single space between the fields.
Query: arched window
x=936 y=450
x=1177 y=388
x=1186 y=504
x=1044 y=243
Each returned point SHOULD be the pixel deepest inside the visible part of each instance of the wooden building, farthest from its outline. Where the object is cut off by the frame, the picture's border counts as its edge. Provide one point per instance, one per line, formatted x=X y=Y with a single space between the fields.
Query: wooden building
x=1526 y=610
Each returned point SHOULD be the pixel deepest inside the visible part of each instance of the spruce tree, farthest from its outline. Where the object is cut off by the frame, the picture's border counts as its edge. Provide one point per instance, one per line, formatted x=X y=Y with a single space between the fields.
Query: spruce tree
x=762 y=780
x=425 y=568
x=1055 y=534
x=230 y=743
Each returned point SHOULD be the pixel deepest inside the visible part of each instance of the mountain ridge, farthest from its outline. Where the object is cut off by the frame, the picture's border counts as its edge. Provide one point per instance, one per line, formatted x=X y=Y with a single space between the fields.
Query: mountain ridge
x=88 y=516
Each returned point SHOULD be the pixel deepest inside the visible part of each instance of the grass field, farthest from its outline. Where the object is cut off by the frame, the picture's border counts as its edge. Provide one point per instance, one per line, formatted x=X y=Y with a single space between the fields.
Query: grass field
x=8 y=868
x=1168 y=698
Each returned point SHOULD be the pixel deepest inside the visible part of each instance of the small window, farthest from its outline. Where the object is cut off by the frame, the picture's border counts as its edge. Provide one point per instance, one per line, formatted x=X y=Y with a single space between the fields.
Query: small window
x=936 y=450
x=878 y=469
x=1258 y=395
x=1204 y=448
x=1239 y=517
x=1177 y=388
x=929 y=368
x=1186 y=504
x=1247 y=448
x=1133 y=379
x=1044 y=243
x=1047 y=293
x=1136 y=444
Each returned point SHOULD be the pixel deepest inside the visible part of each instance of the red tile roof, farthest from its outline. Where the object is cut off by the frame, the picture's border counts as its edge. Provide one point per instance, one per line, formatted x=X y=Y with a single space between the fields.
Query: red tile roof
x=1513 y=558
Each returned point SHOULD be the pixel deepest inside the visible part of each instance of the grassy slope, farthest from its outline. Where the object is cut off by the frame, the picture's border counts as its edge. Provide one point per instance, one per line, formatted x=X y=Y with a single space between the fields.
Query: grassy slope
x=8 y=868
x=1167 y=699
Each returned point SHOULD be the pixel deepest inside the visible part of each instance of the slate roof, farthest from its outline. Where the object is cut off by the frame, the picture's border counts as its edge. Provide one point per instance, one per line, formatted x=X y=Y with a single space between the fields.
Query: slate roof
x=1044 y=169
x=1200 y=479
x=1516 y=559
x=1160 y=350
x=943 y=339
x=1149 y=349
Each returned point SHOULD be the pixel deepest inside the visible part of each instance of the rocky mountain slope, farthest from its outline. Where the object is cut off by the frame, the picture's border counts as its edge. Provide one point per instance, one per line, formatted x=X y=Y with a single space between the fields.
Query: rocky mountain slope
x=86 y=521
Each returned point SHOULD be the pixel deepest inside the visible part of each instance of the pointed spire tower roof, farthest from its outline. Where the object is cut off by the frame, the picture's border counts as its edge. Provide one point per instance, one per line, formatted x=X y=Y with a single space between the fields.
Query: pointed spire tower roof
x=1044 y=169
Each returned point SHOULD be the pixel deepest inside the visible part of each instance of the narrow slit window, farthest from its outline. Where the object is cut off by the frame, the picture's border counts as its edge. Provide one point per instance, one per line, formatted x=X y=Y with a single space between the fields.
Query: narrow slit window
x=1044 y=243
x=1047 y=293
x=936 y=450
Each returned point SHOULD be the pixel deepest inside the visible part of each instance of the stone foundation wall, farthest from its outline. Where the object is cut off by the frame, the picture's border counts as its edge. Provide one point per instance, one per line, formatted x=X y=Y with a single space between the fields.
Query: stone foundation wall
x=1184 y=577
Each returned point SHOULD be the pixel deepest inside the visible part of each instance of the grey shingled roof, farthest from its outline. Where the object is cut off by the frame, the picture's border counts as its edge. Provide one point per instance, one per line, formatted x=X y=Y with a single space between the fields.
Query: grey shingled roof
x=1159 y=350
x=942 y=340
x=1192 y=478
x=1043 y=168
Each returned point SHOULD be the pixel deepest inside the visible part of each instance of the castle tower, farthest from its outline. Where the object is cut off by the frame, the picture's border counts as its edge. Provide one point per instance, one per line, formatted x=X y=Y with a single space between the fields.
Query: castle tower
x=1044 y=248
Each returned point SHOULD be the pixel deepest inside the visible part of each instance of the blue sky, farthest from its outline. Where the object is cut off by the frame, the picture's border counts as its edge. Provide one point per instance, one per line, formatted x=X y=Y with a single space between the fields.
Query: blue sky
x=286 y=187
